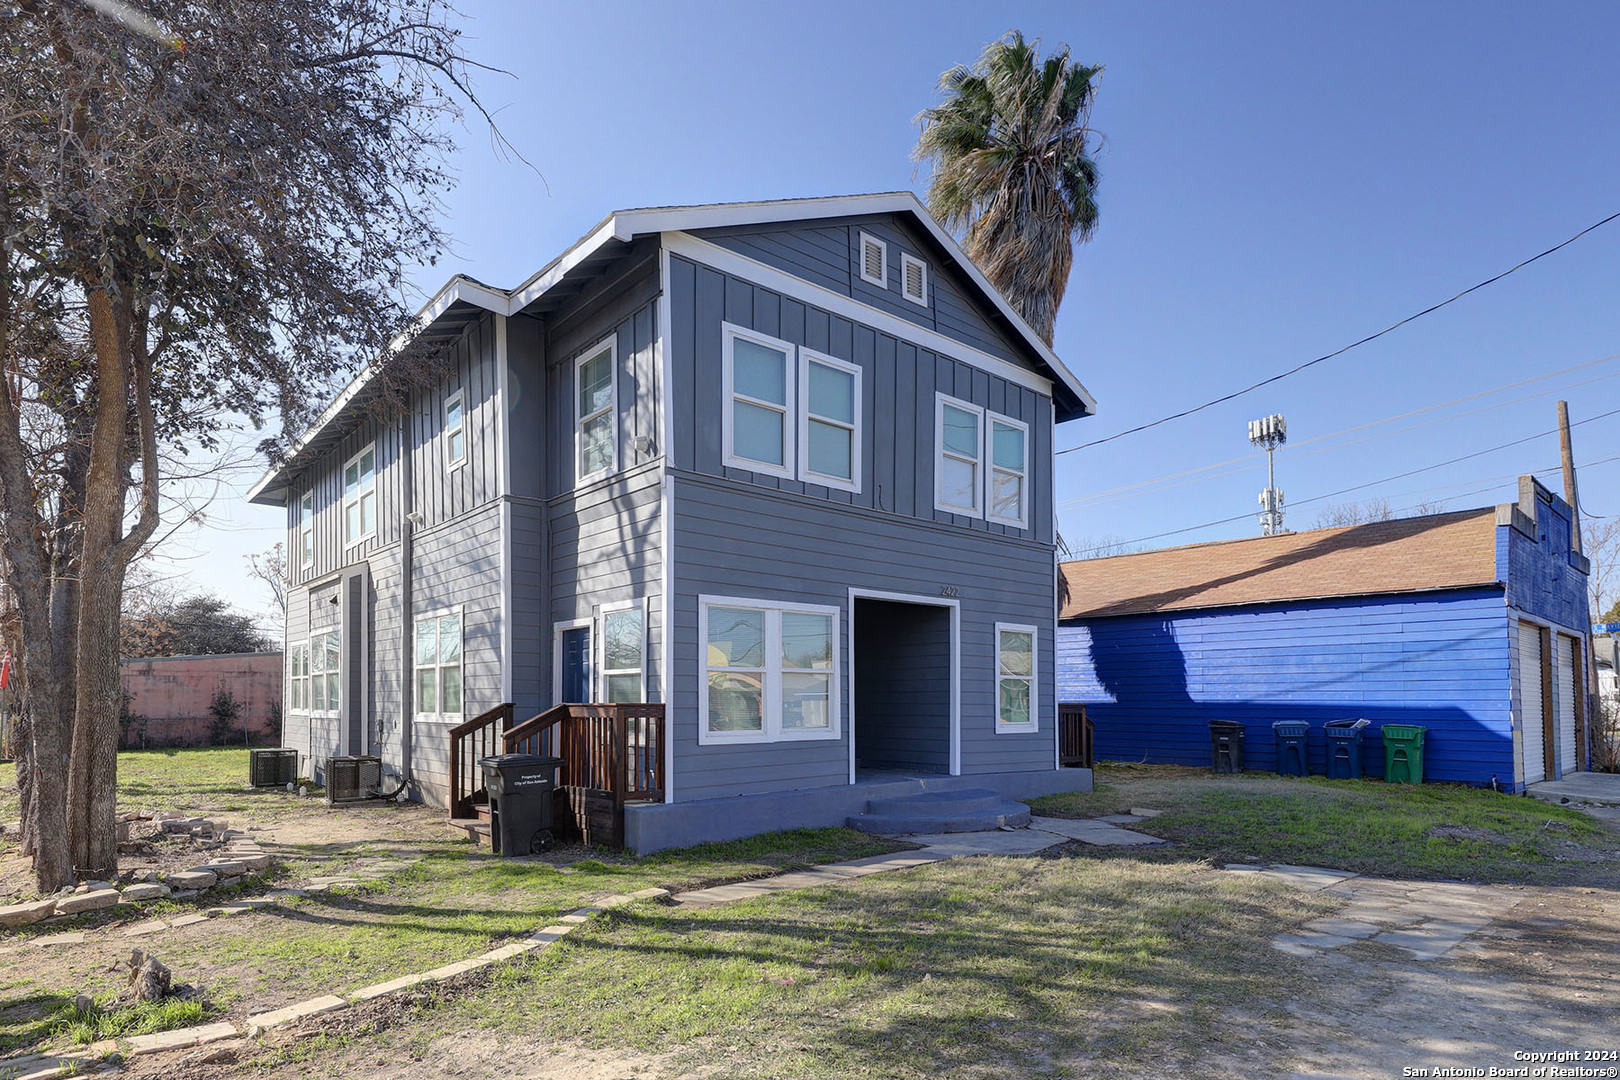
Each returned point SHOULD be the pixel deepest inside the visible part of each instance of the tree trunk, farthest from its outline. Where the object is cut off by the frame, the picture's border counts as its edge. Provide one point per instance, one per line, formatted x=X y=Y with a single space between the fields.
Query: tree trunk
x=22 y=738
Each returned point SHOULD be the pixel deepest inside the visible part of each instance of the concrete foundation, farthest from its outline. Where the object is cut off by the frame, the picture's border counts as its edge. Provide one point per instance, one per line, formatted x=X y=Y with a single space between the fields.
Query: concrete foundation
x=657 y=826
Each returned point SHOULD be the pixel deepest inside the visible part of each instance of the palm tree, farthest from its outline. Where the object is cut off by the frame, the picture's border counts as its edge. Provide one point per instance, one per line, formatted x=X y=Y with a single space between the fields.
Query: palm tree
x=1011 y=148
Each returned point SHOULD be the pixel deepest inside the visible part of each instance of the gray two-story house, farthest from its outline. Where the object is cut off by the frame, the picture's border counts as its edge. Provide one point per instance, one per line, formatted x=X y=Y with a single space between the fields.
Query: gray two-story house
x=783 y=471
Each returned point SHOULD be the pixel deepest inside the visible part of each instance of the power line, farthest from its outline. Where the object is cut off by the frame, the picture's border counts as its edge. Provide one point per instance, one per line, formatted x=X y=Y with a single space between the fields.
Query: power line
x=1387 y=480
x=1190 y=476
x=1341 y=351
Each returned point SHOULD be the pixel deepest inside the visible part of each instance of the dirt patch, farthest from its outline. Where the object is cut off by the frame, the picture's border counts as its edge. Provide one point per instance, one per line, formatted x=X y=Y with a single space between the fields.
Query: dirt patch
x=1464 y=832
x=1541 y=978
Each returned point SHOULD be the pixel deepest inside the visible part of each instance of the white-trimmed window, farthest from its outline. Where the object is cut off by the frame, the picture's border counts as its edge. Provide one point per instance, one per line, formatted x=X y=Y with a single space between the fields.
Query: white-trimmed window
x=360 y=496
x=829 y=425
x=1016 y=683
x=959 y=456
x=298 y=677
x=759 y=403
x=596 y=389
x=325 y=685
x=624 y=652
x=770 y=671
x=438 y=666
x=455 y=429
x=306 y=530
x=1008 y=500
x=874 y=261
x=914 y=279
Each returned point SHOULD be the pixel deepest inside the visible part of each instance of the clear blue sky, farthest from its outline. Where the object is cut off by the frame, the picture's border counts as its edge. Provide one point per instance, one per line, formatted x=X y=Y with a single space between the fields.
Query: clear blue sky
x=1277 y=181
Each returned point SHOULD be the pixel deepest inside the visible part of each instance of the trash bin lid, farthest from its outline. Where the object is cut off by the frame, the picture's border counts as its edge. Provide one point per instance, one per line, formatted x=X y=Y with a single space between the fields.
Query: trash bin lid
x=517 y=761
x=1354 y=725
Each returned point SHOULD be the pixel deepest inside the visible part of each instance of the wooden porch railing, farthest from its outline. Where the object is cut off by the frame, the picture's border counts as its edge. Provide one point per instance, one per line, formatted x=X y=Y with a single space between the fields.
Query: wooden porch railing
x=1075 y=731
x=469 y=741
x=616 y=749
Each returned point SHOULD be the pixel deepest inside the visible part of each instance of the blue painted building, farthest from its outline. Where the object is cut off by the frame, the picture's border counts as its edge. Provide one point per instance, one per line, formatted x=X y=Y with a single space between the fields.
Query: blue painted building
x=1470 y=624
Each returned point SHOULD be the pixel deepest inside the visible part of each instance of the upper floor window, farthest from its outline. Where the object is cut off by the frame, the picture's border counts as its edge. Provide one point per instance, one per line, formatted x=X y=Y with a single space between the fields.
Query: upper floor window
x=759 y=402
x=958 y=472
x=360 y=496
x=874 y=261
x=1015 y=678
x=829 y=431
x=771 y=671
x=624 y=637
x=455 y=429
x=306 y=529
x=438 y=666
x=595 y=422
x=791 y=412
x=914 y=279
x=1009 y=465
x=981 y=463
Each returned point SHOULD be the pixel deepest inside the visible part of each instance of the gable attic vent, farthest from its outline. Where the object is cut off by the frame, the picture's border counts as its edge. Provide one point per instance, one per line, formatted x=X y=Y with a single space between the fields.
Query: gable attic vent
x=874 y=261
x=914 y=279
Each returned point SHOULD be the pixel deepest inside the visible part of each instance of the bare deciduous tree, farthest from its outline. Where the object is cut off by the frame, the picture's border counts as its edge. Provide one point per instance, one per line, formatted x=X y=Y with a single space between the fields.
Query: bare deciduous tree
x=1600 y=542
x=223 y=200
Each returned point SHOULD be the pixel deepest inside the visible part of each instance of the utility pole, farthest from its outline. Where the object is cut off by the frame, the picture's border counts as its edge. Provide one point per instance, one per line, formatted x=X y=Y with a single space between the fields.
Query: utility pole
x=1268 y=433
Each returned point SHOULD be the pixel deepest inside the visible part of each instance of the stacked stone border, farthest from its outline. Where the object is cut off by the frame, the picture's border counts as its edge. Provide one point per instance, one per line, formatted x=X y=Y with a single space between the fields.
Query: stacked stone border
x=242 y=856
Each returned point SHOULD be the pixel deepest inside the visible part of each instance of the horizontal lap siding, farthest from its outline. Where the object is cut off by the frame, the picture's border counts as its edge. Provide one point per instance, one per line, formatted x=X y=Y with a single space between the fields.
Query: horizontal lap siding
x=459 y=564
x=899 y=381
x=731 y=540
x=1152 y=683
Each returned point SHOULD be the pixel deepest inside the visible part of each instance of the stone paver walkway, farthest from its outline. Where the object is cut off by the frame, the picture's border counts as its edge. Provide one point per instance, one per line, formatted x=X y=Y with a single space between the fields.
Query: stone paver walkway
x=1429 y=919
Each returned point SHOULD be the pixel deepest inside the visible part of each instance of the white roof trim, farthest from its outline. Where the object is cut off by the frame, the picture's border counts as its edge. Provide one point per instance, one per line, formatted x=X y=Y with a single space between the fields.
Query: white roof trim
x=626 y=224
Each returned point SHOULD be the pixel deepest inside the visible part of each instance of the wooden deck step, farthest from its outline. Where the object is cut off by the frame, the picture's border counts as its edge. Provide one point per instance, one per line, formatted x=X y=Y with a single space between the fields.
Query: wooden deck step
x=477 y=830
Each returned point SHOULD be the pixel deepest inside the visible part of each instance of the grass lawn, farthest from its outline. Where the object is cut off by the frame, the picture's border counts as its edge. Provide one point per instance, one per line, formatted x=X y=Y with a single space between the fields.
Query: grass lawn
x=988 y=967
x=1431 y=831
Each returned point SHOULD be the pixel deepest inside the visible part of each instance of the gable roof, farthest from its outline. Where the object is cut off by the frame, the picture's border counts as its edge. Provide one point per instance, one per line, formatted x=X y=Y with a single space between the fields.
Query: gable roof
x=462 y=298
x=1418 y=554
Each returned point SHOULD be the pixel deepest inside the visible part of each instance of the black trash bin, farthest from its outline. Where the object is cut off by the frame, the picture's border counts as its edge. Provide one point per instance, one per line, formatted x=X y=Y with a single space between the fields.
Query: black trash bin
x=1226 y=745
x=1344 y=748
x=520 y=787
x=1292 y=746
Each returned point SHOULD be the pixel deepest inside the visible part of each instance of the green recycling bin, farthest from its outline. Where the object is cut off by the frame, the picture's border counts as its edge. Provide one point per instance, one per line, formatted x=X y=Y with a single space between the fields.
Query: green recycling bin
x=1403 y=754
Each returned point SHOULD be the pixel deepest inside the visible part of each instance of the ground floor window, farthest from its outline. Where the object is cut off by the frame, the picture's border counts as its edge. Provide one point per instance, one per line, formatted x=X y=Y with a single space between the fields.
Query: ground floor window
x=624 y=637
x=324 y=683
x=1015 y=678
x=438 y=666
x=770 y=671
x=298 y=677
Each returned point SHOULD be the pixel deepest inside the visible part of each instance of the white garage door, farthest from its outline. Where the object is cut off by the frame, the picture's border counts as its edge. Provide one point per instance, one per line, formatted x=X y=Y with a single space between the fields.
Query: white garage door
x=1564 y=707
x=1535 y=768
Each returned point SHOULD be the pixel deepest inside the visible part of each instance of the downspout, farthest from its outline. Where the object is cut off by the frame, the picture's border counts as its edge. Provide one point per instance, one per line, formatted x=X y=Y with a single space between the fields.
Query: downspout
x=407 y=537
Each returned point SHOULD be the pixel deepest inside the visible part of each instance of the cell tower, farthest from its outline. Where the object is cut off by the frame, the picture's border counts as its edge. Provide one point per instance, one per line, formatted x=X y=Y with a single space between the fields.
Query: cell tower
x=1268 y=433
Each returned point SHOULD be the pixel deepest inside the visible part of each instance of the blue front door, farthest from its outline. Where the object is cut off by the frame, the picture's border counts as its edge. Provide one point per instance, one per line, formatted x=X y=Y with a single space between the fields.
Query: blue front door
x=576 y=666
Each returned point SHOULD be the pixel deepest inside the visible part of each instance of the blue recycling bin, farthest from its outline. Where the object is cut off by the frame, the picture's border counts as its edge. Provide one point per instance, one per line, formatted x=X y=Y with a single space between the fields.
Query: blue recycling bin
x=1292 y=738
x=1344 y=748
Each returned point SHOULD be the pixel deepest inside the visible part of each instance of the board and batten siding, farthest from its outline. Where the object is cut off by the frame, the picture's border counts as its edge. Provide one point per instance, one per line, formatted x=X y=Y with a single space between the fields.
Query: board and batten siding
x=1151 y=683
x=899 y=381
x=738 y=540
x=440 y=493
x=827 y=253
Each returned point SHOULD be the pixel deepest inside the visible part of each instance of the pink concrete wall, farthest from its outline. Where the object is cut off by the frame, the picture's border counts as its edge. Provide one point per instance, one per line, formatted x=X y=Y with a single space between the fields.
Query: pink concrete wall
x=171 y=695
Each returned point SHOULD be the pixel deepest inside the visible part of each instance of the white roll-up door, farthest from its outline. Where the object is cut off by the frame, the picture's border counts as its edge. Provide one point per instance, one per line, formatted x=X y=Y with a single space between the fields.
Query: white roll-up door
x=1564 y=706
x=1535 y=766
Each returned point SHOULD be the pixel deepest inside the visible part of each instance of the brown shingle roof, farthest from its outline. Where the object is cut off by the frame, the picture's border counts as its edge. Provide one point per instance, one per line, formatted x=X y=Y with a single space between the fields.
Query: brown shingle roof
x=1438 y=551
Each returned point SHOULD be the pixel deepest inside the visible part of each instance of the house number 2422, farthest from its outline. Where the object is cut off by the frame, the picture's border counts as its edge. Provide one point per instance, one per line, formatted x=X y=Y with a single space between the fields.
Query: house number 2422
x=949 y=590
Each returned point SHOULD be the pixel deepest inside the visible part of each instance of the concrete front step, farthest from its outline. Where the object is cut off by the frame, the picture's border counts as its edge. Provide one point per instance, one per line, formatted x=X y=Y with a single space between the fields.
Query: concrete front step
x=966 y=810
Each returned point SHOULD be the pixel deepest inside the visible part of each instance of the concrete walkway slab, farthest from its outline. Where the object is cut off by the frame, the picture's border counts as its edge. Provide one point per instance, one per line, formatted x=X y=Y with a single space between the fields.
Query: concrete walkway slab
x=1093 y=831
x=1587 y=787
